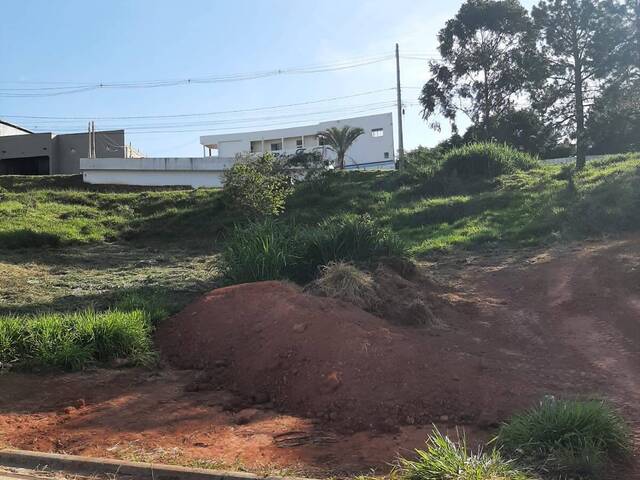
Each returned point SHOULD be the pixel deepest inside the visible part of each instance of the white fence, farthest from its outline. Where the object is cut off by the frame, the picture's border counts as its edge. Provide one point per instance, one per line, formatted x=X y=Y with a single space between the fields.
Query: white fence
x=194 y=172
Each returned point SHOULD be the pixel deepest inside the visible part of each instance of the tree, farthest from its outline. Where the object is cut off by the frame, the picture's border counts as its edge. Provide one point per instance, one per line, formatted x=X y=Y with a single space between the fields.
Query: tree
x=522 y=129
x=488 y=51
x=340 y=140
x=614 y=122
x=582 y=46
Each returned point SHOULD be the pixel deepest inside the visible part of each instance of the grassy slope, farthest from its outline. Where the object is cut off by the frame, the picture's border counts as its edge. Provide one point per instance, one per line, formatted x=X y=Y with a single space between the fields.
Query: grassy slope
x=523 y=208
x=430 y=214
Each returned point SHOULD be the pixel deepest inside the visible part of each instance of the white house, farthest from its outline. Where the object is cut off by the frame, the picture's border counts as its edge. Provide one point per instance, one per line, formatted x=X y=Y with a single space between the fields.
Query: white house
x=374 y=149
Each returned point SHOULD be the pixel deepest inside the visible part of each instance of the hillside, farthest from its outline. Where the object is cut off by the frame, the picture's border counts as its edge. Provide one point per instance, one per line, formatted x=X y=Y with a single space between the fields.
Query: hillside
x=431 y=214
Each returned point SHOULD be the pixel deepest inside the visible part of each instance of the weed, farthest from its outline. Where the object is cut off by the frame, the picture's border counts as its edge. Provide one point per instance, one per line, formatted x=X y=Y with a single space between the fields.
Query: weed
x=486 y=159
x=567 y=438
x=346 y=282
x=444 y=459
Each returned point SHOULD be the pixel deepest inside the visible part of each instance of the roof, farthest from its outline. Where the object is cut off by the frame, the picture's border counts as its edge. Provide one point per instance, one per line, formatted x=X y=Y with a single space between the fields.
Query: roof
x=15 y=126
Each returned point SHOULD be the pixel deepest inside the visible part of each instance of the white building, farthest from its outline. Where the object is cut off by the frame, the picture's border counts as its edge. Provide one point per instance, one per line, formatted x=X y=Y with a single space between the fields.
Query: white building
x=373 y=149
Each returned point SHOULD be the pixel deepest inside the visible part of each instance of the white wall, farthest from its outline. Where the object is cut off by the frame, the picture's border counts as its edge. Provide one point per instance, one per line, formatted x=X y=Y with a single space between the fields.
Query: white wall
x=194 y=172
x=366 y=149
x=6 y=130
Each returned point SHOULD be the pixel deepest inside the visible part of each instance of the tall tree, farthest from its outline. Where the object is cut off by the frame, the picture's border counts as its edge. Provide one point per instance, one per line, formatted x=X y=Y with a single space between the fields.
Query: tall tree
x=487 y=51
x=582 y=43
x=340 y=140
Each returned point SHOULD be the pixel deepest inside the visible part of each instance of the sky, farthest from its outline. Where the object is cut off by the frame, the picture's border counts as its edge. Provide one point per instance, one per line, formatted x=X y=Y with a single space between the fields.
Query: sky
x=256 y=58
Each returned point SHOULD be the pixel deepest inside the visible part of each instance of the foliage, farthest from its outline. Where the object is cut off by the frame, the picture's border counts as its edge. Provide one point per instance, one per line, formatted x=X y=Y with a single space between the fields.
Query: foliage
x=72 y=341
x=340 y=140
x=580 y=40
x=567 y=438
x=261 y=250
x=276 y=250
x=344 y=281
x=423 y=160
x=614 y=123
x=486 y=51
x=258 y=185
x=348 y=238
x=523 y=130
x=486 y=159
x=444 y=459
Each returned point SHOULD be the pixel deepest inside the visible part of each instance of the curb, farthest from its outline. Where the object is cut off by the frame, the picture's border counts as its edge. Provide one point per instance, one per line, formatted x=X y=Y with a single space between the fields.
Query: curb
x=81 y=465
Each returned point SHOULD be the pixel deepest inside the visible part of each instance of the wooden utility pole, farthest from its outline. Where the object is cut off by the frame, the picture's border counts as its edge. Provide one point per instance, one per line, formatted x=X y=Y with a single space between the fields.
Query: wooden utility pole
x=400 y=135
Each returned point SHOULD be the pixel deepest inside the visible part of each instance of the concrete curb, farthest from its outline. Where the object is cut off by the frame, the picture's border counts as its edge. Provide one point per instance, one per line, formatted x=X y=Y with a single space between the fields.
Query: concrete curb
x=80 y=465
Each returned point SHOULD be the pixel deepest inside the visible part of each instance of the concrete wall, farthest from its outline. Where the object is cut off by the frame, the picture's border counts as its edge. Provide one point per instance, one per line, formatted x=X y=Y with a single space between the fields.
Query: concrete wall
x=366 y=149
x=62 y=152
x=70 y=148
x=194 y=172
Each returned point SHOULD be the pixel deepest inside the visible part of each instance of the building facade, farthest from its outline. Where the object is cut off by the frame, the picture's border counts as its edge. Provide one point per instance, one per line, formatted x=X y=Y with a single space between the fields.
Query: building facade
x=373 y=149
x=29 y=153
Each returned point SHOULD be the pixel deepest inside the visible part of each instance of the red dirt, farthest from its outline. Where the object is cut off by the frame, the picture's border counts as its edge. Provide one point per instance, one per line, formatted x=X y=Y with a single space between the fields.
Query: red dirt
x=561 y=322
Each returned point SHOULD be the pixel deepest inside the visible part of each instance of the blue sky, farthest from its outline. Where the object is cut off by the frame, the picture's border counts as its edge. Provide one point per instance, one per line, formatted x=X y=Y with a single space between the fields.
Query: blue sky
x=79 y=42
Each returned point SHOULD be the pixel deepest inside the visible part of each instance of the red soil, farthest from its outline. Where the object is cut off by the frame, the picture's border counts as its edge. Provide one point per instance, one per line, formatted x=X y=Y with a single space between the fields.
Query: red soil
x=560 y=322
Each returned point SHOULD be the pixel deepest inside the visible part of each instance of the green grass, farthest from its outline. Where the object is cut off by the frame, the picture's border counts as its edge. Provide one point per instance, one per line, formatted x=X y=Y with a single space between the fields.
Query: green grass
x=444 y=459
x=429 y=210
x=72 y=341
x=486 y=159
x=55 y=211
x=567 y=439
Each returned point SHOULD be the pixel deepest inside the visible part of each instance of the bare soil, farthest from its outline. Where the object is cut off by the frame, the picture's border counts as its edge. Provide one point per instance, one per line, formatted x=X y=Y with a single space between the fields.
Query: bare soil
x=280 y=379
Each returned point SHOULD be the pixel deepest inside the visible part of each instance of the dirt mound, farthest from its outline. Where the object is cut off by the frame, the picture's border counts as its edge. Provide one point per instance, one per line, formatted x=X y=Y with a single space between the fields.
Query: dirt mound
x=325 y=358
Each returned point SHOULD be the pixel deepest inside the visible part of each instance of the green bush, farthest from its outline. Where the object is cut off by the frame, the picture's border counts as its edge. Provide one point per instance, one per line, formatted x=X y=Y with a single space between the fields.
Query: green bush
x=486 y=159
x=258 y=185
x=353 y=238
x=262 y=250
x=275 y=250
x=445 y=459
x=567 y=439
x=71 y=341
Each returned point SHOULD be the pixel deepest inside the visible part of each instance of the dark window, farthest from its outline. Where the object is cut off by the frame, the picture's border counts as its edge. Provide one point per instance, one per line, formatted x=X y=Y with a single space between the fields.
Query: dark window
x=299 y=142
x=377 y=132
x=386 y=154
x=276 y=146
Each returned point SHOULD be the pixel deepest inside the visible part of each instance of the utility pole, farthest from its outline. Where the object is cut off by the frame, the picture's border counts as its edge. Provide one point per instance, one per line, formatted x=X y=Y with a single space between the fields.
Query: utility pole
x=400 y=135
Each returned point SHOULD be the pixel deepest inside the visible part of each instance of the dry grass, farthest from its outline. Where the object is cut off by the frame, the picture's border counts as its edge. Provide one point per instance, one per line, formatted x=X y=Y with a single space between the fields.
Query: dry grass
x=345 y=281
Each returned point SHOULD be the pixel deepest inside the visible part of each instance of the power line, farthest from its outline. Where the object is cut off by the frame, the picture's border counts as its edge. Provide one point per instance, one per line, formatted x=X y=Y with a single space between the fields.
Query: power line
x=43 y=91
x=201 y=114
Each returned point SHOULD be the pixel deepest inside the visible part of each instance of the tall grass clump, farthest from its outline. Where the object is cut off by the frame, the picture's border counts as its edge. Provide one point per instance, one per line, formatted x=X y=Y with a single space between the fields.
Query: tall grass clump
x=444 y=459
x=351 y=238
x=346 y=282
x=261 y=250
x=567 y=438
x=273 y=250
x=71 y=341
x=486 y=159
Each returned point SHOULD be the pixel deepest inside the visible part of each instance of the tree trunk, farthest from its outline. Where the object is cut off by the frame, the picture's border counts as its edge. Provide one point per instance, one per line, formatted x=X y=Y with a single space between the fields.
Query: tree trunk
x=341 y=161
x=581 y=148
x=486 y=106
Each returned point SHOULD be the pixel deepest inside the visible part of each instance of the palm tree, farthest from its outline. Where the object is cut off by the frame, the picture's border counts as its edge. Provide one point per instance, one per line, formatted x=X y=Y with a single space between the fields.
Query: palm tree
x=340 y=140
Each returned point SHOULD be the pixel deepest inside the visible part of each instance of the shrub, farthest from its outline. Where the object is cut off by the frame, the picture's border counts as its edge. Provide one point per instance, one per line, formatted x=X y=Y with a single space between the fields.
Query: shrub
x=71 y=341
x=344 y=281
x=565 y=438
x=262 y=250
x=486 y=159
x=445 y=459
x=350 y=238
x=258 y=185
x=273 y=250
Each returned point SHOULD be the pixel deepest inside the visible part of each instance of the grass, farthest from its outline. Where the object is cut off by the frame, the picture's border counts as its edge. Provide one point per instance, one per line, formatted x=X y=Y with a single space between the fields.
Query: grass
x=346 y=282
x=486 y=159
x=444 y=459
x=72 y=341
x=567 y=438
x=275 y=250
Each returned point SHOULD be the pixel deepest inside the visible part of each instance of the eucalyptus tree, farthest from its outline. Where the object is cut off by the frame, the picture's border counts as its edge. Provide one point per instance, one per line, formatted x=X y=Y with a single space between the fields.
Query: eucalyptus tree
x=487 y=56
x=340 y=140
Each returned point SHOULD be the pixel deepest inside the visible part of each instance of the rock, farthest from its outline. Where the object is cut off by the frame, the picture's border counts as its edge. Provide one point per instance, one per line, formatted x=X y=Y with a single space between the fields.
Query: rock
x=444 y=418
x=245 y=416
x=299 y=327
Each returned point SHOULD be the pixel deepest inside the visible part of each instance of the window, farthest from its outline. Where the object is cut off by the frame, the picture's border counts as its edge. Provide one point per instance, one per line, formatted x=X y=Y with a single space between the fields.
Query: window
x=321 y=141
x=377 y=132
x=386 y=155
x=275 y=147
x=299 y=143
